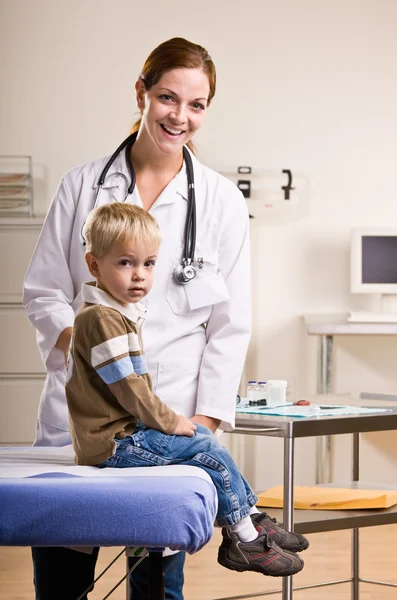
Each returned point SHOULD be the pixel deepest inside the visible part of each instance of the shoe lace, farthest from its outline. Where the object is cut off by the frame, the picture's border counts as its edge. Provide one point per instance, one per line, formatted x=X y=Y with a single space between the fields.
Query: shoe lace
x=267 y=516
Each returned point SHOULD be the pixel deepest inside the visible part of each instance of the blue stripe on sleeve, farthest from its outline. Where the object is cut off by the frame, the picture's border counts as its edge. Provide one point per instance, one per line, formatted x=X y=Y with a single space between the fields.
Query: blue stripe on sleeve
x=139 y=364
x=116 y=371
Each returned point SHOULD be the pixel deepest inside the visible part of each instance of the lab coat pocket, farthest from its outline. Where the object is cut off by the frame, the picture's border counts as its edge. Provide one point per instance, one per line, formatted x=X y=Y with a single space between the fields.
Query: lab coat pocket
x=206 y=290
x=198 y=296
x=177 y=381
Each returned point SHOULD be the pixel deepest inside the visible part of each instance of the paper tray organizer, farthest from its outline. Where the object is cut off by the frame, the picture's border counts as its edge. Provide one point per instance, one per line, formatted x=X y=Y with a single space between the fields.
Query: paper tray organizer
x=323 y=498
x=16 y=186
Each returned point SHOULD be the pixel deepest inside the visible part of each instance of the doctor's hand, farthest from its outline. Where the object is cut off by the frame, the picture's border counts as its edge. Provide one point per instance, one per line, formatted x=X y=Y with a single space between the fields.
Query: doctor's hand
x=63 y=342
x=185 y=427
x=208 y=422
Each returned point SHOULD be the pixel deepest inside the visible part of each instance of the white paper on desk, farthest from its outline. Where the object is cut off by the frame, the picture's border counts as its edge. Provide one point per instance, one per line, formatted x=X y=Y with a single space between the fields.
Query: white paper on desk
x=345 y=410
x=294 y=410
x=259 y=410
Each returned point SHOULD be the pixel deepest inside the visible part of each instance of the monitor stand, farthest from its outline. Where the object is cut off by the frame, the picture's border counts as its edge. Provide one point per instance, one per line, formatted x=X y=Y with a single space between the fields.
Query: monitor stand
x=386 y=314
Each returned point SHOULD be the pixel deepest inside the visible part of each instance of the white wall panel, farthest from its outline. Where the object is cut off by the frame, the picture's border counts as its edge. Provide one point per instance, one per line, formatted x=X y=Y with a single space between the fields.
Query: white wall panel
x=18 y=350
x=21 y=368
x=17 y=242
x=19 y=401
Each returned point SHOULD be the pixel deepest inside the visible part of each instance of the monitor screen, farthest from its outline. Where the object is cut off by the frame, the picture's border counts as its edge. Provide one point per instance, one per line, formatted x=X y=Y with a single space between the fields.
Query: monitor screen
x=379 y=259
x=373 y=263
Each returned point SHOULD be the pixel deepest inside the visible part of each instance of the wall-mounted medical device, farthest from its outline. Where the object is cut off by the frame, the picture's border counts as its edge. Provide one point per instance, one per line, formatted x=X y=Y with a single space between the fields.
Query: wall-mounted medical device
x=268 y=191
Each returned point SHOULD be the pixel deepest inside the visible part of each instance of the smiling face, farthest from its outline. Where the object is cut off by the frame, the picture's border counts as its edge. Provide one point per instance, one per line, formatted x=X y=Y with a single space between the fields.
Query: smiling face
x=173 y=109
x=126 y=270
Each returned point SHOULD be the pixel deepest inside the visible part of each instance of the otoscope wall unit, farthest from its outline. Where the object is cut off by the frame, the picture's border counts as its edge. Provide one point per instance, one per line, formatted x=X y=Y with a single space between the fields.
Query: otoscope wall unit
x=269 y=191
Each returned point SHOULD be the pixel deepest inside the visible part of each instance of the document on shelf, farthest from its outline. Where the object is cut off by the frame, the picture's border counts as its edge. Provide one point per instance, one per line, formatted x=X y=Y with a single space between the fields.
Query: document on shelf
x=313 y=410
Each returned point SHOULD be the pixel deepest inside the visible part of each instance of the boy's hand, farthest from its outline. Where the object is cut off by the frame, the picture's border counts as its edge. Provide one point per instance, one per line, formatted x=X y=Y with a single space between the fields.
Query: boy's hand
x=185 y=427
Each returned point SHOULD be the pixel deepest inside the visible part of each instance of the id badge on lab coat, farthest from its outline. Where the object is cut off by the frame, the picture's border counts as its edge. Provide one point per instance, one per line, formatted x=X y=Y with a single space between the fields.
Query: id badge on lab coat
x=205 y=291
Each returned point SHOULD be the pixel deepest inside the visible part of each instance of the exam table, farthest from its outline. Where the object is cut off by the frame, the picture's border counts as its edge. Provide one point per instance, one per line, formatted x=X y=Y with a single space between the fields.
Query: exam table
x=46 y=500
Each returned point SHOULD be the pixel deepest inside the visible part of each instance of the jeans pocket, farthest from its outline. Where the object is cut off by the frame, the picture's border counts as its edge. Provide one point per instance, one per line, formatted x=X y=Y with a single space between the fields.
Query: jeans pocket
x=109 y=462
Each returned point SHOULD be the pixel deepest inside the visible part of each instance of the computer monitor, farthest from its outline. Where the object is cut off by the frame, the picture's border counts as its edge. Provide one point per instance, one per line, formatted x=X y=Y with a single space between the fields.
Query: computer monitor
x=374 y=264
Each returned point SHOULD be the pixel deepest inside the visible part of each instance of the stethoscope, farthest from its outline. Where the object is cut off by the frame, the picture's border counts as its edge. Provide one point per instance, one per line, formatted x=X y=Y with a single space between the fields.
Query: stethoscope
x=185 y=271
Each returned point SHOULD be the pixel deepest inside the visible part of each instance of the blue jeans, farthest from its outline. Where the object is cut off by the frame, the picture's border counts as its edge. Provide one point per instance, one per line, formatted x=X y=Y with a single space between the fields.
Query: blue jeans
x=148 y=447
x=173 y=578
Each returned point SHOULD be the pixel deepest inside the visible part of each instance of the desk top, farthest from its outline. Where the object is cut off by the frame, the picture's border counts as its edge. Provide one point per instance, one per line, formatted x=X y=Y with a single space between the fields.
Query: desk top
x=295 y=427
x=320 y=324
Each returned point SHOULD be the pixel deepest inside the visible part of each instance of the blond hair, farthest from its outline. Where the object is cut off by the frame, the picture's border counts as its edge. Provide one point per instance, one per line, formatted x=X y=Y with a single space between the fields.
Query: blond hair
x=118 y=222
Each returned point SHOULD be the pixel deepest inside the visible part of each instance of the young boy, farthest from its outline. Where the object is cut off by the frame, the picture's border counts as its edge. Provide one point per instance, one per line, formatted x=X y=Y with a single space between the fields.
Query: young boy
x=115 y=418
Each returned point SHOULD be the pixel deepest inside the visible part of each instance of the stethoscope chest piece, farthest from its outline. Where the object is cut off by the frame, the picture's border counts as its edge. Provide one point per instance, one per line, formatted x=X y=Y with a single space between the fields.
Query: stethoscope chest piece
x=184 y=273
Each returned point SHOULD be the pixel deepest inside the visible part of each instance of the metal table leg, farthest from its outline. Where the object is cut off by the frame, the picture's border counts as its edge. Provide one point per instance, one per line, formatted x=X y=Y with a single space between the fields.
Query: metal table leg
x=324 y=386
x=356 y=532
x=288 y=511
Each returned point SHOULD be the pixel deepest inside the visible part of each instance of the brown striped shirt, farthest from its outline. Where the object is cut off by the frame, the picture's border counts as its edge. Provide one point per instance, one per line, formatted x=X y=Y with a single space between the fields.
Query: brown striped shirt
x=108 y=386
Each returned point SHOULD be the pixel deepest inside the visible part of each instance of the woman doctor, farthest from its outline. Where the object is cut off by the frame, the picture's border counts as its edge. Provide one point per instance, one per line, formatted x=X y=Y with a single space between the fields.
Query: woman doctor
x=196 y=334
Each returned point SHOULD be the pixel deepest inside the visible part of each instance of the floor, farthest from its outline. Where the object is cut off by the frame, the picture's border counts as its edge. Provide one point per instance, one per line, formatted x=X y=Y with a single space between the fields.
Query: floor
x=328 y=558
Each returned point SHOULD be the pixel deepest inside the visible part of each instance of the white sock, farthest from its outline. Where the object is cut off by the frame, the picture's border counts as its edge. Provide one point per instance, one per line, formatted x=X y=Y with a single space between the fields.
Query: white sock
x=245 y=529
x=254 y=511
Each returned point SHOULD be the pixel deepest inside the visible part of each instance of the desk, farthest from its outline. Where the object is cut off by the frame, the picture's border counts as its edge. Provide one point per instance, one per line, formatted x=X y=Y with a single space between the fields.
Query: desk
x=290 y=428
x=326 y=327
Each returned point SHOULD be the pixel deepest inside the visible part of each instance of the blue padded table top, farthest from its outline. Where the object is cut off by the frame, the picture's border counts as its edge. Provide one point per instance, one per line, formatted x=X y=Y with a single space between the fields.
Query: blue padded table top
x=46 y=500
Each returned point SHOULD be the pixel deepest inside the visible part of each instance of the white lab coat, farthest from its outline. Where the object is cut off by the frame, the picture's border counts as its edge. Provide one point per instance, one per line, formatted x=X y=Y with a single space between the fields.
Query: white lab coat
x=195 y=369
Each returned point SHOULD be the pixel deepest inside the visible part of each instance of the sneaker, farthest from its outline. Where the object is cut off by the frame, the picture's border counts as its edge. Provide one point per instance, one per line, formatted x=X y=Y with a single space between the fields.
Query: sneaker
x=261 y=555
x=294 y=542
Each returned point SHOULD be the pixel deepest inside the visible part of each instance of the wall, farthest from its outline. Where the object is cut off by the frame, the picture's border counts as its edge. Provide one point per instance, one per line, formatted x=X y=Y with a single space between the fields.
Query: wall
x=304 y=85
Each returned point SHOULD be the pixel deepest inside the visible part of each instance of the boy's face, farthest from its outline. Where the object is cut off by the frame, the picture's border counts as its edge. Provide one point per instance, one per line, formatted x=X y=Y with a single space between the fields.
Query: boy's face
x=126 y=270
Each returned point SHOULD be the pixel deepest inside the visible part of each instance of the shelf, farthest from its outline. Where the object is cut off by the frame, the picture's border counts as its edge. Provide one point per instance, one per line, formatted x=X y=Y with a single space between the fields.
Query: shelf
x=15 y=220
x=317 y=521
x=14 y=179
x=331 y=324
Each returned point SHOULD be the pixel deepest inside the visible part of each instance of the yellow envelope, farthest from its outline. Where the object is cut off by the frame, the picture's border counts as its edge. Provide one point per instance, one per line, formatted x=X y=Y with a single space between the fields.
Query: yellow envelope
x=323 y=498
